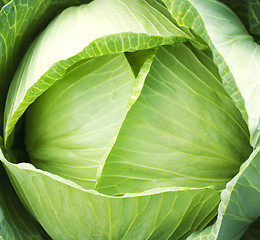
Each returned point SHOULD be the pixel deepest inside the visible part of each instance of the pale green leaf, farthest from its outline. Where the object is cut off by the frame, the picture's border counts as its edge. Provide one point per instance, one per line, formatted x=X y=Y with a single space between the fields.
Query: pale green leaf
x=183 y=130
x=70 y=127
x=145 y=66
x=77 y=213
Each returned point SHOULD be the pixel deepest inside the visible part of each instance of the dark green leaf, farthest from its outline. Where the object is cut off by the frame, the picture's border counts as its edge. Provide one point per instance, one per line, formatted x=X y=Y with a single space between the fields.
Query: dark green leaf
x=253 y=232
x=249 y=13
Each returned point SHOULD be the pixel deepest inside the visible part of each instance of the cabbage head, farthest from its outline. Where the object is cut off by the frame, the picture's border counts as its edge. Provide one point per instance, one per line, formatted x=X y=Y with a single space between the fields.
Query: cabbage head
x=129 y=119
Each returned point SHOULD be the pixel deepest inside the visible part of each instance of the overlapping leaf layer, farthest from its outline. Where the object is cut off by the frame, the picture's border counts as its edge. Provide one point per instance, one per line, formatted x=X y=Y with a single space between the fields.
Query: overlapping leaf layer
x=130 y=132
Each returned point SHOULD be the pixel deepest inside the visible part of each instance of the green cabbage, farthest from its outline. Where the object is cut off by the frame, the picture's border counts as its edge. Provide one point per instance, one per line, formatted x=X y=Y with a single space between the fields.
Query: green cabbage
x=129 y=119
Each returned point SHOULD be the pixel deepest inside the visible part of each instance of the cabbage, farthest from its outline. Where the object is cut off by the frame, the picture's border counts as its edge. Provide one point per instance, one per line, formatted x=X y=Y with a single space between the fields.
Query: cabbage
x=129 y=120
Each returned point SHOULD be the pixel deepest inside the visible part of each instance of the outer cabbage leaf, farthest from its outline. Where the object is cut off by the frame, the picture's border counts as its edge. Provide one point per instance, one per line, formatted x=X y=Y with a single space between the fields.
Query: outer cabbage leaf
x=15 y=221
x=163 y=213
